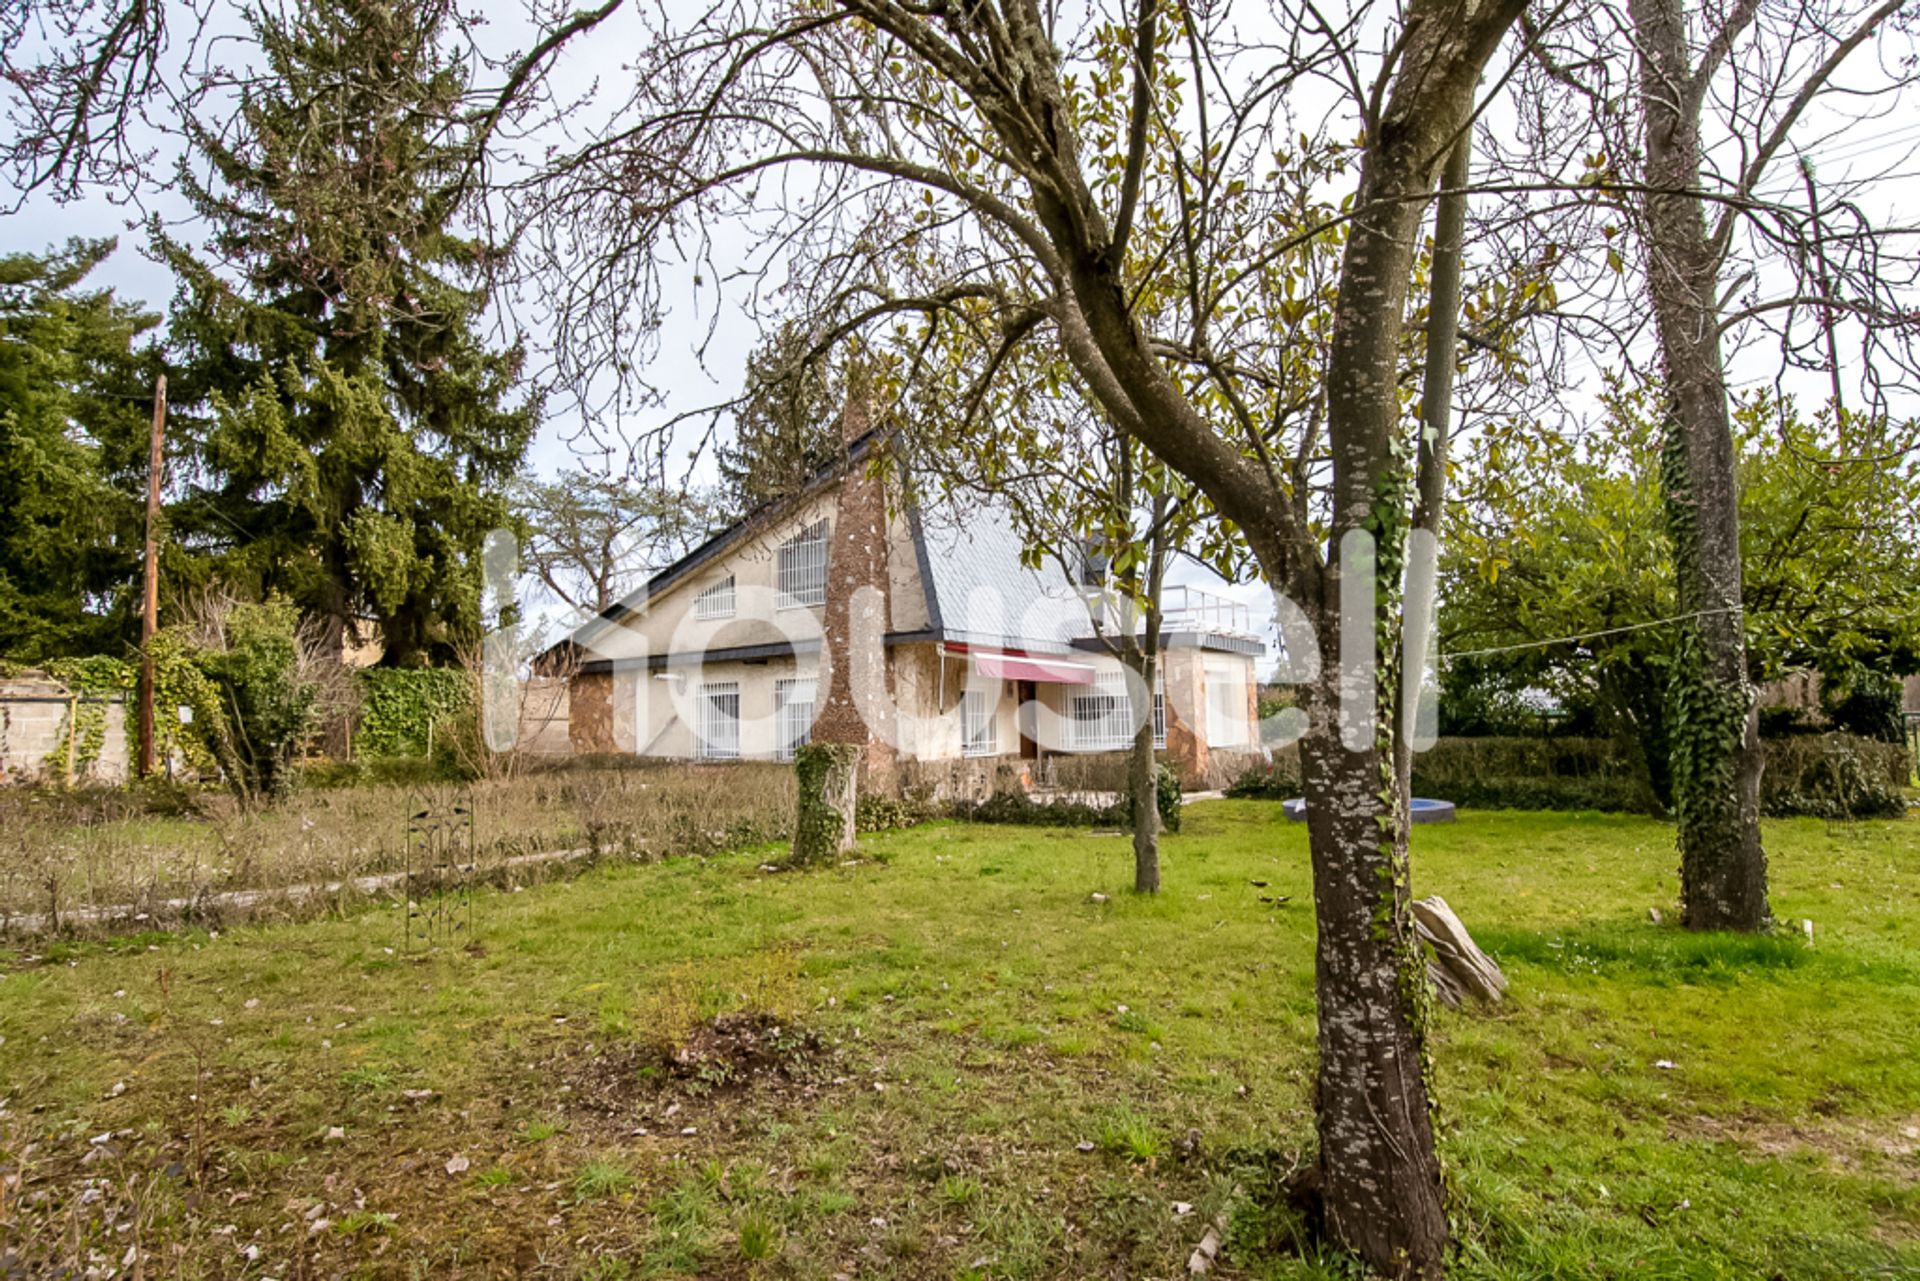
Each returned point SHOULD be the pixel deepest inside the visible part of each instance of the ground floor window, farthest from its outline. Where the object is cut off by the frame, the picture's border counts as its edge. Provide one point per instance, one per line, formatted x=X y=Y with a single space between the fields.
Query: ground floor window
x=1097 y=720
x=1100 y=720
x=1159 y=707
x=720 y=721
x=1226 y=706
x=793 y=702
x=979 y=731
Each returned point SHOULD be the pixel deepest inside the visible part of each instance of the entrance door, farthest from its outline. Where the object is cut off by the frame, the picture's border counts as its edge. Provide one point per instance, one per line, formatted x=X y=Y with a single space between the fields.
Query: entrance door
x=1027 y=692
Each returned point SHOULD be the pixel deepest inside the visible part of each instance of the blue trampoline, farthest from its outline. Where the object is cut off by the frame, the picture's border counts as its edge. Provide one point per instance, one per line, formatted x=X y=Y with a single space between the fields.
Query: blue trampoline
x=1424 y=809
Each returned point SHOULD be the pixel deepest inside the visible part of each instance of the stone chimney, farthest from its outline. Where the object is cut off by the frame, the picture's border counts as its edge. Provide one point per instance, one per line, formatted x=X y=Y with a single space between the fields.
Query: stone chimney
x=856 y=558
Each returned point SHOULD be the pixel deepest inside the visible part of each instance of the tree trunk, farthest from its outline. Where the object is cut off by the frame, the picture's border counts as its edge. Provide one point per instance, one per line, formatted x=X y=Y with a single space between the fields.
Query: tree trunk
x=1714 y=724
x=826 y=778
x=1142 y=654
x=1379 y=1174
x=1142 y=781
x=1379 y=1170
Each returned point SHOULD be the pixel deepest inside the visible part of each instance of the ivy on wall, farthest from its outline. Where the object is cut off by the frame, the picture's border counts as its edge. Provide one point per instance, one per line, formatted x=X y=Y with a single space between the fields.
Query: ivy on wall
x=98 y=680
x=402 y=709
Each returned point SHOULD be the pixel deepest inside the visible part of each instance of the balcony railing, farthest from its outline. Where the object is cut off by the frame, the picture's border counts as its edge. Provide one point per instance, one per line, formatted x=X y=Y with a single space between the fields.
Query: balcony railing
x=1194 y=609
x=1184 y=609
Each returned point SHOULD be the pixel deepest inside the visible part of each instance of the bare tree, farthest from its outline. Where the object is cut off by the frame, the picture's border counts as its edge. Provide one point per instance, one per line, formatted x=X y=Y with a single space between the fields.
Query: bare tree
x=1680 y=145
x=1165 y=203
x=956 y=184
x=590 y=536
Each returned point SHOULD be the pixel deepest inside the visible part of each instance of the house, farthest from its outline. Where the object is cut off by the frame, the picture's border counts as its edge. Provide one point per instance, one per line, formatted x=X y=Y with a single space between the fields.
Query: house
x=846 y=617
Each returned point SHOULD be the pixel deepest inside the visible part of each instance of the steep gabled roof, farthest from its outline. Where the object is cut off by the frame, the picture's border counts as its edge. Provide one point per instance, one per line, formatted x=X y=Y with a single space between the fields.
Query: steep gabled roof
x=969 y=554
x=978 y=591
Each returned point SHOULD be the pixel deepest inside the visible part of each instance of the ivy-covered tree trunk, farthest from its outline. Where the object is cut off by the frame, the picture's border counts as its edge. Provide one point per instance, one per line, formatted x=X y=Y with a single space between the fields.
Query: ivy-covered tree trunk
x=1713 y=723
x=827 y=777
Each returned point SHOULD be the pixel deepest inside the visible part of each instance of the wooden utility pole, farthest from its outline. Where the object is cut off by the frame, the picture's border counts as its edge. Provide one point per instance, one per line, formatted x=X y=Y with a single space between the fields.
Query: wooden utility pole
x=150 y=606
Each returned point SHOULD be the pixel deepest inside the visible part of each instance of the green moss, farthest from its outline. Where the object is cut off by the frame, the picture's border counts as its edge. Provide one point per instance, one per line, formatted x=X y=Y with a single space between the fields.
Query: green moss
x=818 y=824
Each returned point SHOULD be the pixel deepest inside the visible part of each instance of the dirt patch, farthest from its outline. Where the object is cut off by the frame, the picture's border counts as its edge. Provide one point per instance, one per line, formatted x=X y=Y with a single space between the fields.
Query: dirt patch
x=733 y=1053
x=1886 y=1144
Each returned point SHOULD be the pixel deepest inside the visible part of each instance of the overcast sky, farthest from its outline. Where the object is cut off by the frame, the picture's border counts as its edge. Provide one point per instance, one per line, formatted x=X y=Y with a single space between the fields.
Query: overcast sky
x=1886 y=151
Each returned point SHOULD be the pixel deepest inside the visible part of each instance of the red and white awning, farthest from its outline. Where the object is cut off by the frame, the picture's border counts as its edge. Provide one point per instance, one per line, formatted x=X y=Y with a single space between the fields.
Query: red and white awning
x=1023 y=667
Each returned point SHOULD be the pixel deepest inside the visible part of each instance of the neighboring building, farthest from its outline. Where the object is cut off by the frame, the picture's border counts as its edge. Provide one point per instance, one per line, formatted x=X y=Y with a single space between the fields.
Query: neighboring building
x=991 y=670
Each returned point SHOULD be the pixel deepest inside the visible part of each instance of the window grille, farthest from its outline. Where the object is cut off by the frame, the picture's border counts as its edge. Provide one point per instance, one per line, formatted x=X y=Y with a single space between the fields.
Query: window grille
x=720 y=721
x=979 y=732
x=716 y=601
x=801 y=567
x=793 y=703
x=1159 y=707
x=1099 y=720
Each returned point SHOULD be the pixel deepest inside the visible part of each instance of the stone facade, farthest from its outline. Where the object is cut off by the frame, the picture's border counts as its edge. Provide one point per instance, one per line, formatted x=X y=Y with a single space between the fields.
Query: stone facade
x=590 y=713
x=858 y=557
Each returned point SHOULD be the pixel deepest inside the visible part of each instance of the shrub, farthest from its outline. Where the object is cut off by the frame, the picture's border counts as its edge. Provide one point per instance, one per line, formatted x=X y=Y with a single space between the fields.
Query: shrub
x=1870 y=707
x=1834 y=776
x=1166 y=796
x=253 y=709
x=1016 y=807
x=873 y=813
x=1275 y=780
x=401 y=708
x=1535 y=774
x=1828 y=775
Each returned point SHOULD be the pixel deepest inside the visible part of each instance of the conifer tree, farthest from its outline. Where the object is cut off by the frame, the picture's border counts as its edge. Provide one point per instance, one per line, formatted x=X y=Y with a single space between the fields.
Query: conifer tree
x=356 y=431
x=73 y=437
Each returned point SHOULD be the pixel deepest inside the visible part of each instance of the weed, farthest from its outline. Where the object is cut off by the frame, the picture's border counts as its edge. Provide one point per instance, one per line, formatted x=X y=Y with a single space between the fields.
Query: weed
x=601 y=1178
x=1128 y=1134
x=365 y=1223
x=758 y=1238
x=494 y=1176
x=542 y=1129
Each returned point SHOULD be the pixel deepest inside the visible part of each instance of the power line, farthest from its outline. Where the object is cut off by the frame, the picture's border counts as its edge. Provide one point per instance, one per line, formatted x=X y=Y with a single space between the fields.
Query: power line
x=1587 y=636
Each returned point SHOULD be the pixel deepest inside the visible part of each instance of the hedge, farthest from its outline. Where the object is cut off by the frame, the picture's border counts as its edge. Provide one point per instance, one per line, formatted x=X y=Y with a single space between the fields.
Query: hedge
x=1825 y=775
x=402 y=709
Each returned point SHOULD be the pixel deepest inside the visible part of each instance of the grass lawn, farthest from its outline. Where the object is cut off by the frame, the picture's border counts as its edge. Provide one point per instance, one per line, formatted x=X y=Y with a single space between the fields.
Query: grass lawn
x=949 y=1061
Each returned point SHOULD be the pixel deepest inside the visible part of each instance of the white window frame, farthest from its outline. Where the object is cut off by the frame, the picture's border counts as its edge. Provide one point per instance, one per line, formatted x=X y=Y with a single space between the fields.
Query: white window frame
x=979 y=723
x=800 y=568
x=794 y=726
x=1159 y=707
x=719 y=734
x=717 y=601
x=1102 y=720
x=1226 y=718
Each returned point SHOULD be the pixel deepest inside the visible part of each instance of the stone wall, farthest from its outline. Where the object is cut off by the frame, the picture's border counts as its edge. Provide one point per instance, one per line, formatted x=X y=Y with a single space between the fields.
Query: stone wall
x=590 y=713
x=34 y=712
x=963 y=778
x=544 y=706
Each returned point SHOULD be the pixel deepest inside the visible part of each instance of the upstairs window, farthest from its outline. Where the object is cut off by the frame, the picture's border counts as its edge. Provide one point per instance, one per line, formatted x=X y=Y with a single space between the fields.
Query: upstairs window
x=716 y=601
x=1226 y=706
x=801 y=568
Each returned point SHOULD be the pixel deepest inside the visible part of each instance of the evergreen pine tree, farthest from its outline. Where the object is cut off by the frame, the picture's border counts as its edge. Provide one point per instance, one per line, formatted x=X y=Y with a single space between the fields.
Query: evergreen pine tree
x=74 y=398
x=356 y=432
